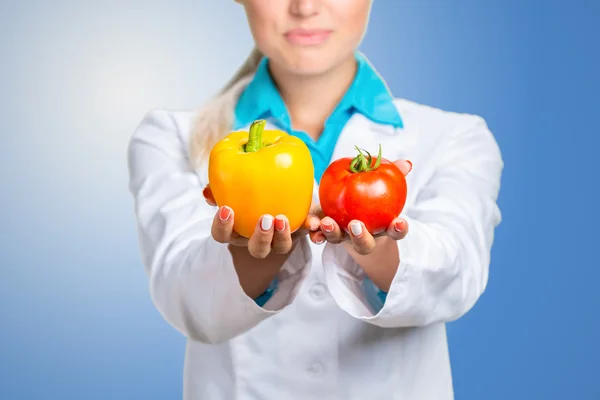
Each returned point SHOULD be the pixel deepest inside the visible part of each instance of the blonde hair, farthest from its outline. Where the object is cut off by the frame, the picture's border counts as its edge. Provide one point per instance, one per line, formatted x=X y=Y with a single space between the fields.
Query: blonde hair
x=214 y=120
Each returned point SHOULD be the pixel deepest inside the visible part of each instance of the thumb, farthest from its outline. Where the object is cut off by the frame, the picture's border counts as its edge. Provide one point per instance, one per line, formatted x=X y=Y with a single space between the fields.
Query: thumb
x=404 y=165
x=208 y=196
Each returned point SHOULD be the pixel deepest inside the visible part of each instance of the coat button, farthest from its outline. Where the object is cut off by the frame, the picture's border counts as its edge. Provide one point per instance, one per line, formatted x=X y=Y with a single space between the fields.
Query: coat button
x=317 y=292
x=316 y=369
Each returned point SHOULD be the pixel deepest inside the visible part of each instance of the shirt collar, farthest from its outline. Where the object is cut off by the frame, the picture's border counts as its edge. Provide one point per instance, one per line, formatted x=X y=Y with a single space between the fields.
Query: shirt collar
x=368 y=94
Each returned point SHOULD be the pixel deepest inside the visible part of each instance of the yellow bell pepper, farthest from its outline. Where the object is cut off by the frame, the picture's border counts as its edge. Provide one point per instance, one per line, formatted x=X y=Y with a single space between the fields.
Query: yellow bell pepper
x=262 y=172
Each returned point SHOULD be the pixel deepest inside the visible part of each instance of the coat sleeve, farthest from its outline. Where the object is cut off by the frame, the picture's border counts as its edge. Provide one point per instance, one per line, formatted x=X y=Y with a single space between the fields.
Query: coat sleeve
x=193 y=282
x=444 y=259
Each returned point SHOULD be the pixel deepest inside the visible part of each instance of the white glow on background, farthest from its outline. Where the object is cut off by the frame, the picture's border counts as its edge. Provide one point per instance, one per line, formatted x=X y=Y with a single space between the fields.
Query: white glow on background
x=76 y=80
x=85 y=77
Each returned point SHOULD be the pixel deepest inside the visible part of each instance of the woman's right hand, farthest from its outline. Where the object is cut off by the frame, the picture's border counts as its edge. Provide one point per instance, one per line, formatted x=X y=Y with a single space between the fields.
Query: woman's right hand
x=271 y=234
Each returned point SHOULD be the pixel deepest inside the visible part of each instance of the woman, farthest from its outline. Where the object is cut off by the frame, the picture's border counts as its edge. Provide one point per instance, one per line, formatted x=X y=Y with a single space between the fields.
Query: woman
x=327 y=315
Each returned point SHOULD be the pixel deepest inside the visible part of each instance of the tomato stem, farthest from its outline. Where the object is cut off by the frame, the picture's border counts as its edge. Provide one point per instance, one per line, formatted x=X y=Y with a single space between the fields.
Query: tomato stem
x=255 y=141
x=360 y=163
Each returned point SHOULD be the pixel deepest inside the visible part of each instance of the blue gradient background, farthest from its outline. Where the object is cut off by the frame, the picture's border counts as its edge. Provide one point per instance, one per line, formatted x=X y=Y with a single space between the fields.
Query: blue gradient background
x=77 y=76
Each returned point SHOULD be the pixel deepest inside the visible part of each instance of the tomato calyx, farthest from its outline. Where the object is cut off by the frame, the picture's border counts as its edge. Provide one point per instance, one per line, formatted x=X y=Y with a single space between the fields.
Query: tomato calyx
x=362 y=163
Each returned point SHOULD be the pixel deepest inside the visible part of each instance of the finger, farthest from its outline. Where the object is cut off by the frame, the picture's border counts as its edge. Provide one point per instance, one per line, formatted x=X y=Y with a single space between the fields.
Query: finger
x=331 y=230
x=222 y=226
x=282 y=237
x=208 y=196
x=317 y=237
x=362 y=241
x=259 y=244
x=404 y=165
x=312 y=223
x=398 y=229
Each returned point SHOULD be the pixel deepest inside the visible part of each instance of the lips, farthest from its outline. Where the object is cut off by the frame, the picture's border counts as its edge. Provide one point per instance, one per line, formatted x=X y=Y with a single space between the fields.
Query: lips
x=307 y=37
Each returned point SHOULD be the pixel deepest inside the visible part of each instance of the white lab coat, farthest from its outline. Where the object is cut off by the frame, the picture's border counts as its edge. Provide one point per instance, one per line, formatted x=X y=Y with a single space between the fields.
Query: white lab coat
x=318 y=337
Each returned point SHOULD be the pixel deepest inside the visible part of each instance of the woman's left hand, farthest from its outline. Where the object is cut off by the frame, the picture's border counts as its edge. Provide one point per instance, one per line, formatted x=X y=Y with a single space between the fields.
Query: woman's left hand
x=358 y=237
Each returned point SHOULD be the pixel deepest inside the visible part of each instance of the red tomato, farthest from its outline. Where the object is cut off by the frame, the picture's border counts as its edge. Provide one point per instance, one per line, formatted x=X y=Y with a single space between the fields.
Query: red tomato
x=371 y=190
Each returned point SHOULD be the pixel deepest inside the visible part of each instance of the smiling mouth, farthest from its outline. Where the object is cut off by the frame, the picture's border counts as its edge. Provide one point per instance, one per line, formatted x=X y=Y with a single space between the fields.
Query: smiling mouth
x=307 y=37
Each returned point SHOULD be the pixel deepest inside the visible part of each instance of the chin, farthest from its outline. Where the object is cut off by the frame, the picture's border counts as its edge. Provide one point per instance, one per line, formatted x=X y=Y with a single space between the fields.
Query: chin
x=311 y=61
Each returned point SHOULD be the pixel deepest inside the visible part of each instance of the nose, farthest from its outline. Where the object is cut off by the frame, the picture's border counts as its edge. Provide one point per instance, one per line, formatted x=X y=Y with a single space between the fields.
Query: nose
x=304 y=8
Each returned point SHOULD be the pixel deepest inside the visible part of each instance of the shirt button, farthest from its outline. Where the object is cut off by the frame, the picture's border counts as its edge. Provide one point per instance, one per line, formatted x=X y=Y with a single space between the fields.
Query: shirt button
x=316 y=369
x=317 y=291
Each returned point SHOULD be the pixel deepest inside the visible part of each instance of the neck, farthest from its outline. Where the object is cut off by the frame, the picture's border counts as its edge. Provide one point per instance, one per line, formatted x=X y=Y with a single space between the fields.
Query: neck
x=311 y=99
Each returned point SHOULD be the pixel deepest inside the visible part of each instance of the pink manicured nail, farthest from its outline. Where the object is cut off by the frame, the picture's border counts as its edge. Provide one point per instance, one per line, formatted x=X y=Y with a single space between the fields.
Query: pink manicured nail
x=280 y=223
x=328 y=227
x=399 y=226
x=224 y=213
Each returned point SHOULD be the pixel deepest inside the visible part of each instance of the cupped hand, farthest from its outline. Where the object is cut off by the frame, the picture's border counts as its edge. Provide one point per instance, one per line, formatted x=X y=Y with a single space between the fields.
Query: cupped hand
x=271 y=235
x=358 y=237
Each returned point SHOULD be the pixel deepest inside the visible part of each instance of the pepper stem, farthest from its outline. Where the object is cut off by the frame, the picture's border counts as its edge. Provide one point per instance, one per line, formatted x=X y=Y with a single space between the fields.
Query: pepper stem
x=360 y=163
x=255 y=140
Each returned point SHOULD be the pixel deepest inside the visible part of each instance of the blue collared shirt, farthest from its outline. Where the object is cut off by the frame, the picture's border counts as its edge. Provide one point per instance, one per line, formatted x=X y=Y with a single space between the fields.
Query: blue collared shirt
x=368 y=95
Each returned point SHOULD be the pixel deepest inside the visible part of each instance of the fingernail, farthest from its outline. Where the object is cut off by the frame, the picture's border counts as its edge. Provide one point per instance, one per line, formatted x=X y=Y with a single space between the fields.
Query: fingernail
x=409 y=163
x=280 y=223
x=320 y=241
x=356 y=228
x=399 y=226
x=328 y=227
x=224 y=213
x=266 y=223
